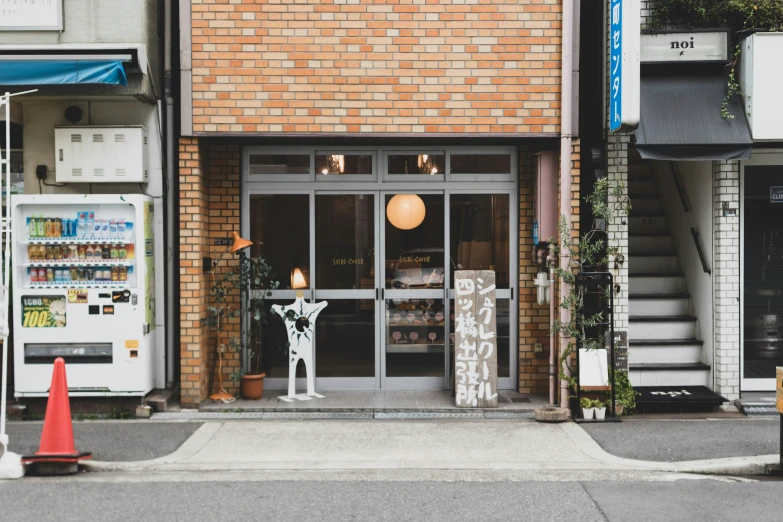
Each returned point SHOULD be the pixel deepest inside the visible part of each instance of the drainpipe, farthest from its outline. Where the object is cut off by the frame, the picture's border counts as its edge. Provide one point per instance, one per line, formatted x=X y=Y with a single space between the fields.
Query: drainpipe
x=565 y=171
x=170 y=208
x=550 y=261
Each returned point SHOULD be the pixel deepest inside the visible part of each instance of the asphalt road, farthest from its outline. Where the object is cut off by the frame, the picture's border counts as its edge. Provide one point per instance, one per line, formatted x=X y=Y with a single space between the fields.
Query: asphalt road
x=676 y=440
x=110 y=441
x=684 y=500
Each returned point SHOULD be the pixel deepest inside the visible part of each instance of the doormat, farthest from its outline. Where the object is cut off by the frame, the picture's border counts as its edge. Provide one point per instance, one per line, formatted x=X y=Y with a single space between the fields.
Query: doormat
x=676 y=398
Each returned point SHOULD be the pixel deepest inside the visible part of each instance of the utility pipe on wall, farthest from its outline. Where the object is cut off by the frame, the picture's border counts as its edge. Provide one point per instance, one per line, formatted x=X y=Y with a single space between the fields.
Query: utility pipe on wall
x=552 y=334
x=170 y=208
x=565 y=174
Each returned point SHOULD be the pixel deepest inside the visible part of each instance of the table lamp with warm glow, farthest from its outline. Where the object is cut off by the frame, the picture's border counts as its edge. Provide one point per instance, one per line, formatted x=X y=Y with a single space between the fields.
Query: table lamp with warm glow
x=298 y=282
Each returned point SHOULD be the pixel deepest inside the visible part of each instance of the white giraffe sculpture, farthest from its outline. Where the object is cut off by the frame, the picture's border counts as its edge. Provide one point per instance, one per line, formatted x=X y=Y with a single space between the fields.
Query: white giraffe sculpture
x=299 y=318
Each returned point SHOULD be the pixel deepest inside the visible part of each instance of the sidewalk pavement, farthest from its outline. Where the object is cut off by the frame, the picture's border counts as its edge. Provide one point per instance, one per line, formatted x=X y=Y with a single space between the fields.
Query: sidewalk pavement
x=413 y=445
x=673 y=440
x=110 y=440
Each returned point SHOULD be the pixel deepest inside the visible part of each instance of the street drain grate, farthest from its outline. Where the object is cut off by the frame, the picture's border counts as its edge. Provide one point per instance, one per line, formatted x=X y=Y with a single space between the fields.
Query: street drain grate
x=509 y=415
x=207 y=415
x=428 y=415
x=759 y=410
x=520 y=400
x=317 y=415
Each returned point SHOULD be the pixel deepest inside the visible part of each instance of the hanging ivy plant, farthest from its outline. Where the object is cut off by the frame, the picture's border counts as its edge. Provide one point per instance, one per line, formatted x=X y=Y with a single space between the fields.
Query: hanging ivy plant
x=736 y=15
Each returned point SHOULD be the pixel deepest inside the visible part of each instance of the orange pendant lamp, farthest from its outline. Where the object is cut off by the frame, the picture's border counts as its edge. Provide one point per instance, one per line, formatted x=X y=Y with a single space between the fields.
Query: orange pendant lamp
x=406 y=211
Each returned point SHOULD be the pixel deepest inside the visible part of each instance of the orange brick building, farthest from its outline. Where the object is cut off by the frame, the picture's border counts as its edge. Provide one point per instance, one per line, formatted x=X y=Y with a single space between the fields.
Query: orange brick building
x=301 y=122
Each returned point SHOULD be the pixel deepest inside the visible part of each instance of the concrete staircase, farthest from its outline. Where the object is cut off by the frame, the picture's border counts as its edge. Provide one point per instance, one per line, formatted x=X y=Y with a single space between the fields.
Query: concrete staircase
x=663 y=346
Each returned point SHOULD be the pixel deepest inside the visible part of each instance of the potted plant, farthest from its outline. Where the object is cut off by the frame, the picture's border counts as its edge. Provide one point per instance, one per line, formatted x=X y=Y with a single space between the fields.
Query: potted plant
x=600 y=410
x=255 y=275
x=589 y=253
x=588 y=407
x=231 y=301
x=624 y=394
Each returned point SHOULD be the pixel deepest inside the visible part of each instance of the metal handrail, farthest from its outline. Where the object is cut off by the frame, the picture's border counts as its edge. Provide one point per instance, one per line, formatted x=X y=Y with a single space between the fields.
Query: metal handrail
x=686 y=203
x=704 y=265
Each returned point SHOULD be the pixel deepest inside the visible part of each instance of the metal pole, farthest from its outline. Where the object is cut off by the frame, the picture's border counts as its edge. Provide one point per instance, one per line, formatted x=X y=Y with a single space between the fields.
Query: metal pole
x=552 y=333
x=611 y=334
x=566 y=83
x=10 y=464
x=6 y=176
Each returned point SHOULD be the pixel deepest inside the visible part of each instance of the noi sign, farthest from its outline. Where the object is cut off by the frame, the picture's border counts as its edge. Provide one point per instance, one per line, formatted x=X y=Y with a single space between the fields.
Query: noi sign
x=685 y=46
x=624 y=26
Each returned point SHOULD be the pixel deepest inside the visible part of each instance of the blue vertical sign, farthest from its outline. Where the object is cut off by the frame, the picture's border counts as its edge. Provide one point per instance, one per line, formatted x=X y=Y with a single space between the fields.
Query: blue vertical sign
x=616 y=66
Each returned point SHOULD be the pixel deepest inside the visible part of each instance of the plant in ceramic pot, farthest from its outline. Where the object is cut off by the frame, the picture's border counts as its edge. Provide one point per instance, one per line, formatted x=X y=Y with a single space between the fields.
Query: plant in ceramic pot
x=588 y=407
x=256 y=276
x=600 y=410
x=590 y=252
x=223 y=310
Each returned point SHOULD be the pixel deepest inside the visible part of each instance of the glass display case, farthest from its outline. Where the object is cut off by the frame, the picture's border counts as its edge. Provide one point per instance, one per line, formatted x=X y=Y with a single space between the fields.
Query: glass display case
x=415 y=326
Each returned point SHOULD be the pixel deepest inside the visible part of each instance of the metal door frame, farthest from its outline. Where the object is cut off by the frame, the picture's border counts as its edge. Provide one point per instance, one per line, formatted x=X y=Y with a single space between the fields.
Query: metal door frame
x=379 y=187
x=415 y=383
x=347 y=383
x=770 y=157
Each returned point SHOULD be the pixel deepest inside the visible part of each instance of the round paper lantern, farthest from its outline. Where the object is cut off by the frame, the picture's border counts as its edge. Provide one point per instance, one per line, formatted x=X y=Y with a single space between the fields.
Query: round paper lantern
x=406 y=211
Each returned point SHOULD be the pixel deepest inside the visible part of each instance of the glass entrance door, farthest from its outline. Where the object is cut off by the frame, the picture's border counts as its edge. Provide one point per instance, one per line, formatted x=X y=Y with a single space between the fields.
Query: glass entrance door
x=480 y=239
x=345 y=232
x=385 y=262
x=762 y=271
x=415 y=270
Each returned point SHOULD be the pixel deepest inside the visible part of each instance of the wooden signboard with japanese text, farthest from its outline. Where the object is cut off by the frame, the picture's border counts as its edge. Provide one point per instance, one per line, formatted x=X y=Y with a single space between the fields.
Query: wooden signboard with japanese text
x=475 y=339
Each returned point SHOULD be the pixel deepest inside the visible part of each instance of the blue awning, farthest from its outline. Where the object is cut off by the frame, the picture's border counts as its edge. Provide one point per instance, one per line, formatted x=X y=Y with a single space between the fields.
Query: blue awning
x=61 y=72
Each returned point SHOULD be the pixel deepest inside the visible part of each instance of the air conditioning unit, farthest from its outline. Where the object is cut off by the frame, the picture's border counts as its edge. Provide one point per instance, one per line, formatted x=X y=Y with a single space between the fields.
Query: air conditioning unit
x=109 y=154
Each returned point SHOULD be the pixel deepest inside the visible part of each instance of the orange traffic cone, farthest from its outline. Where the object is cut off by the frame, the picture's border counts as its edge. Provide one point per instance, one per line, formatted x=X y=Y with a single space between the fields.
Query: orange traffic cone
x=57 y=444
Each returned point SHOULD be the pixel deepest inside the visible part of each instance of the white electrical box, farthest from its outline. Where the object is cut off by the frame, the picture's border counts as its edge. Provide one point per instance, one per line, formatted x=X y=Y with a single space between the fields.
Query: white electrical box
x=84 y=290
x=760 y=78
x=111 y=154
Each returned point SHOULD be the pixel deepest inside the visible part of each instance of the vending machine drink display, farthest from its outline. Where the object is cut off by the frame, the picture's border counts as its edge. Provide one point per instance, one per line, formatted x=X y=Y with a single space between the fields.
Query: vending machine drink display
x=84 y=284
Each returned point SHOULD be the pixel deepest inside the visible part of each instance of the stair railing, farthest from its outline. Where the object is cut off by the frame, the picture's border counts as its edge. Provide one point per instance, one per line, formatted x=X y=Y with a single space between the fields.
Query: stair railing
x=704 y=266
x=686 y=203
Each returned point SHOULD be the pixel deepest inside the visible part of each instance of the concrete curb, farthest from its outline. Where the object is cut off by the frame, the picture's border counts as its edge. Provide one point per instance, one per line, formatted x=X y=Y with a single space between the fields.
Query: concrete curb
x=604 y=461
x=189 y=448
x=756 y=465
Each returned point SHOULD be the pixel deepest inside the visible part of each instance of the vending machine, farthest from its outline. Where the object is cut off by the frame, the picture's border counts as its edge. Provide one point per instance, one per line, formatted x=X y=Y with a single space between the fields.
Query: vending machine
x=84 y=290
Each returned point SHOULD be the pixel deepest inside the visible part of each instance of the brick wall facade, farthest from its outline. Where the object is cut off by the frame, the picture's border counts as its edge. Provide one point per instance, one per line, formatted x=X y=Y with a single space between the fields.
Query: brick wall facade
x=326 y=67
x=224 y=195
x=726 y=280
x=374 y=66
x=209 y=208
x=617 y=173
x=193 y=292
x=534 y=318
